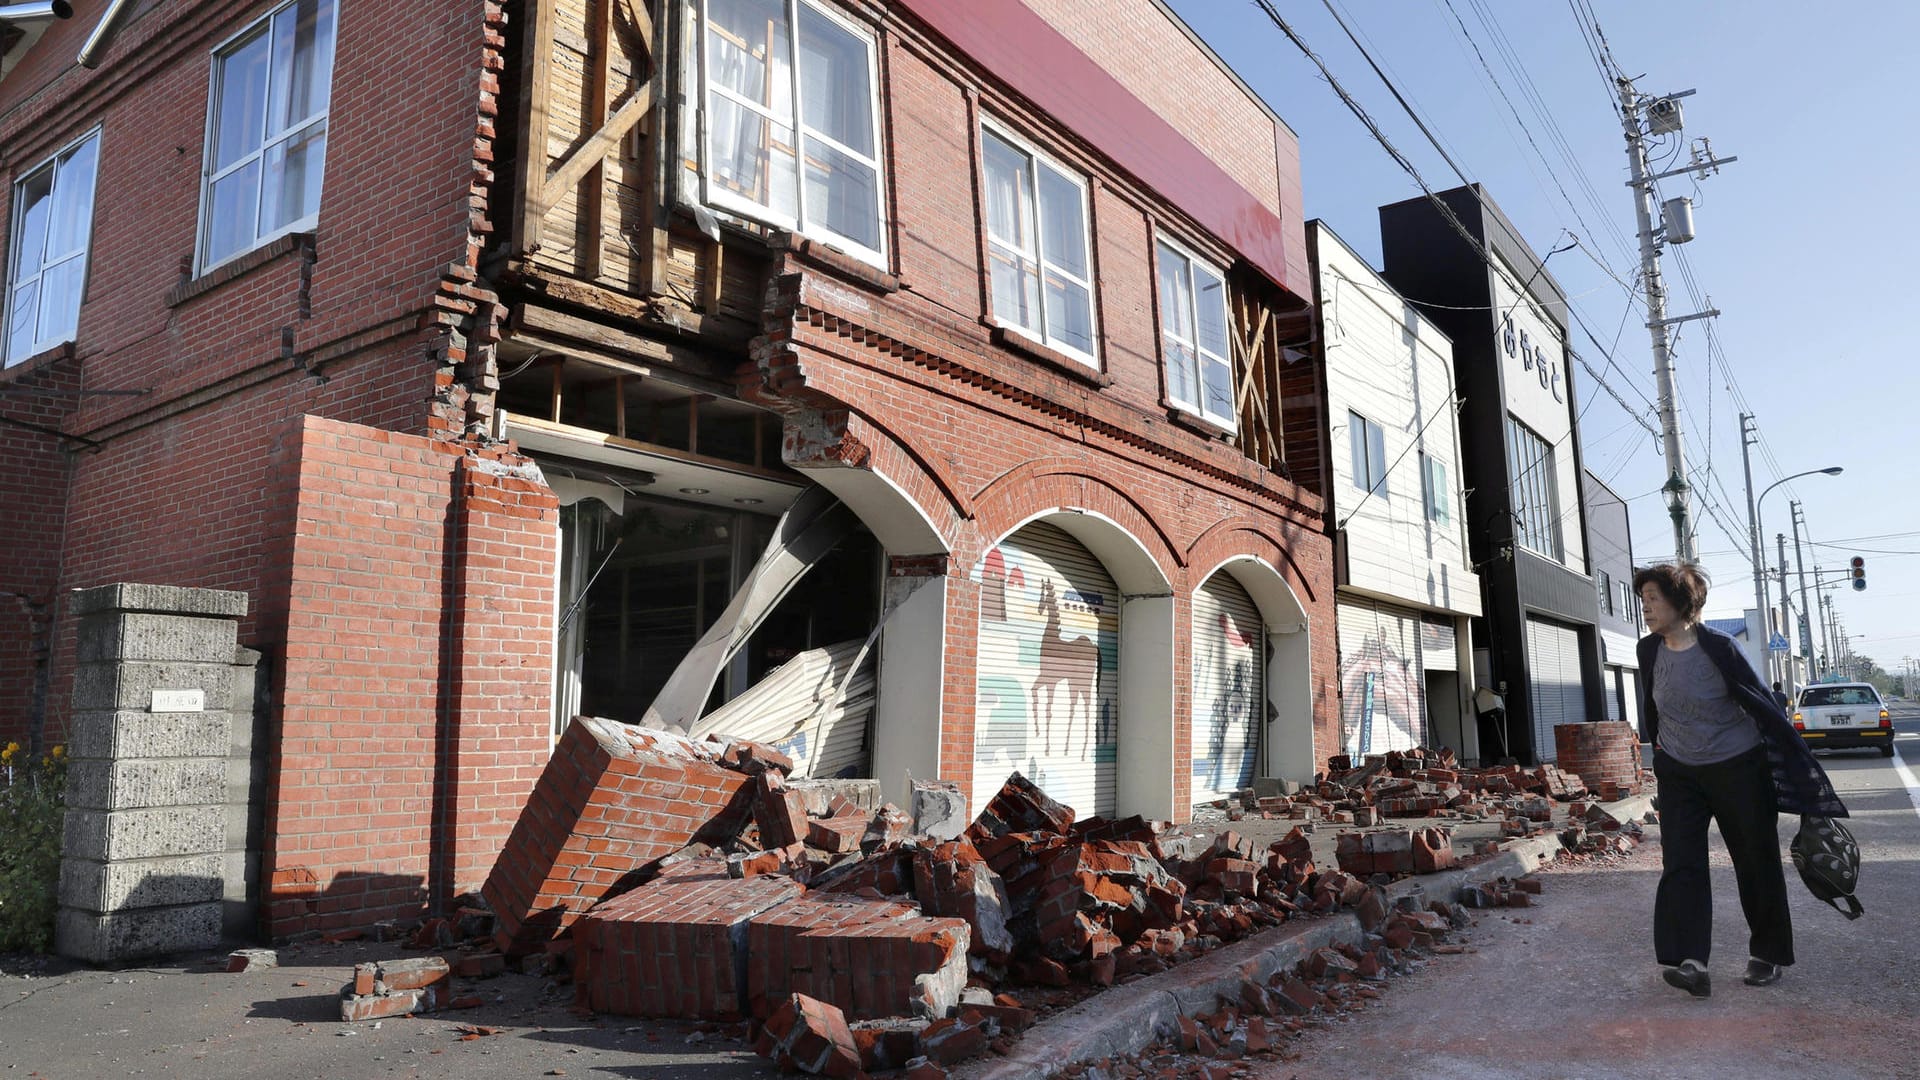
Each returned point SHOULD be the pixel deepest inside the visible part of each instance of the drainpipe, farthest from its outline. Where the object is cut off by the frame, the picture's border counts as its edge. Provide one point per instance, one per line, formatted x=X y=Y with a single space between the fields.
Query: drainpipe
x=116 y=17
x=36 y=11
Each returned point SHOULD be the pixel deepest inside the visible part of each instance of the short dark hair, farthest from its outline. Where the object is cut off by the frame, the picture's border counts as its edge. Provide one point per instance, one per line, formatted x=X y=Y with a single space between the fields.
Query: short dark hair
x=1683 y=584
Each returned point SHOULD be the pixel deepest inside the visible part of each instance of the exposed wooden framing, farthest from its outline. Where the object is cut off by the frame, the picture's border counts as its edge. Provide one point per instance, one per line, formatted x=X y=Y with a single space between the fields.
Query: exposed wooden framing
x=1257 y=353
x=594 y=150
x=558 y=391
x=593 y=192
x=591 y=437
x=693 y=423
x=620 y=405
x=664 y=314
x=716 y=270
x=536 y=64
x=654 y=249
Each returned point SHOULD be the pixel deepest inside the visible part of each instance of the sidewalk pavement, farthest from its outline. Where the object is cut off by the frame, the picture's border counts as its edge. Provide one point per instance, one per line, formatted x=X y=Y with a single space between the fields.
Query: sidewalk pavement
x=189 y=1017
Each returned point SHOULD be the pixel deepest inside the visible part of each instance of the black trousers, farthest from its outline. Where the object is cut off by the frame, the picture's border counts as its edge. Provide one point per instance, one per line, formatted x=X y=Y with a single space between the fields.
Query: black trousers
x=1738 y=793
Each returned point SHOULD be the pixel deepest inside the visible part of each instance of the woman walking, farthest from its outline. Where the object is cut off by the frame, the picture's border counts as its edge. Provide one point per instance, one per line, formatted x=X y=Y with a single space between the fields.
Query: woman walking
x=1723 y=751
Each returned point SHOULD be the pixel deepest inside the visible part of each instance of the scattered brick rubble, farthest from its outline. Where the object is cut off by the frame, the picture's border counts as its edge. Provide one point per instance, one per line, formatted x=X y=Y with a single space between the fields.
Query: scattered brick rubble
x=667 y=877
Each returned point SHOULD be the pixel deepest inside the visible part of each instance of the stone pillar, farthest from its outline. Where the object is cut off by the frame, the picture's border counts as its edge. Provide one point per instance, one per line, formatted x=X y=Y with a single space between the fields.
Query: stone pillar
x=143 y=868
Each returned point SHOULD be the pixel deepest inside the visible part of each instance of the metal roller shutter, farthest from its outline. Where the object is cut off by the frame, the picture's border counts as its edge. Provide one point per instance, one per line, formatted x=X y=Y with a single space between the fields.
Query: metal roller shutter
x=1382 y=684
x=1437 y=644
x=1553 y=665
x=1229 y=687
x=1047 y=699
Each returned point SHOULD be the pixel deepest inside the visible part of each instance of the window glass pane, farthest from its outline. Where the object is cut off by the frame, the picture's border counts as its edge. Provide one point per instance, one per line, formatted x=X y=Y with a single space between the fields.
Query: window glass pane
x=230 y=211
x=836 y=89
x=302 y=58
x=1016 y=288
x=1357 y=445
x=1181 y=377
x=843 y=194
x=1377 y=458
x=1069 y=313
x=34 y=201
x=1442 y=494
x=60 y=286
x=243 y=101
x=1219 y=387
x=1009 y=192
x=292 y=188
x=21 y=316
x=752 y=156
x=72 y=201
x=747 y=52
x=1064 y=221
x=1210 y=308
x=1176 y=298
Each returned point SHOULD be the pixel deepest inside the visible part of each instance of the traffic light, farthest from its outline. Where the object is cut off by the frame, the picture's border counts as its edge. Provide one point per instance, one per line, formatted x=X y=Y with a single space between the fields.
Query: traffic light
x=1859 y=575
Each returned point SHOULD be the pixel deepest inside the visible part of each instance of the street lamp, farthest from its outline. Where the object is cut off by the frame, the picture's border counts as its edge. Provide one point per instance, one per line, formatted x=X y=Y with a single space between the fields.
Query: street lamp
x=1753 y=522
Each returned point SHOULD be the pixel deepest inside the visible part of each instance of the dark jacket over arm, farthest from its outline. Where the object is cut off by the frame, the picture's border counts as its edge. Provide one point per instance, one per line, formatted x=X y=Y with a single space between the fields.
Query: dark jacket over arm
x=1800 y=784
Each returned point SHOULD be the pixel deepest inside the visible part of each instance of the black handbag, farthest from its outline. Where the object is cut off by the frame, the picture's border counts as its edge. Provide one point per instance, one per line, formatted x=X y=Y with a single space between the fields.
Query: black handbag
x=1829 y=862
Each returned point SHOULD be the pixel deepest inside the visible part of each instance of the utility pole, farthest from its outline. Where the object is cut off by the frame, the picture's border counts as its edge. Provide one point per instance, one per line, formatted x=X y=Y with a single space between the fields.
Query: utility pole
x=1826 y=625
x=1786 y=612
x=1800 y=568
x=1747 y=439
x=1676 y=227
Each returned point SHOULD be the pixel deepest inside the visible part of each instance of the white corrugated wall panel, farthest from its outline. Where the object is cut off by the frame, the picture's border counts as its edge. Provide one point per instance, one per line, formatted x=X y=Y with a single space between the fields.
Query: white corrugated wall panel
x=1047 y=698
x=1383 y=698
x=794 y=709
x=1229 y=687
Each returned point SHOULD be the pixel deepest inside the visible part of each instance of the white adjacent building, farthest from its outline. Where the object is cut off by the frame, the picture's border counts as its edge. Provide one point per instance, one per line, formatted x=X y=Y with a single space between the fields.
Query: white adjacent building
x=1405 y=588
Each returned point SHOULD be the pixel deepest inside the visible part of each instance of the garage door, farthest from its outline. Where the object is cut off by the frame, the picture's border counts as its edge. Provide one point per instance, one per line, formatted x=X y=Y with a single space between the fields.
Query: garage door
x=1382 y=685
x=1553 y=666
x=1047 y=702
x=1229 y=687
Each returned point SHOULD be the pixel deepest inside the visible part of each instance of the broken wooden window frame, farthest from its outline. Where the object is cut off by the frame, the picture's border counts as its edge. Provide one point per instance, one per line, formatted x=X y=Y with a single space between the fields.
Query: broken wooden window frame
x=60 y=173
x=802 y=218
x=309 y=131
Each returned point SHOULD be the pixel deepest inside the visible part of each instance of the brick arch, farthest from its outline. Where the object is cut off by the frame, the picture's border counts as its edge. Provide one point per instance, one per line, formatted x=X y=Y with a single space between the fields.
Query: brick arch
x=1033 y=489
x=1264 y=565
x=1233 y=537
x=900 y=493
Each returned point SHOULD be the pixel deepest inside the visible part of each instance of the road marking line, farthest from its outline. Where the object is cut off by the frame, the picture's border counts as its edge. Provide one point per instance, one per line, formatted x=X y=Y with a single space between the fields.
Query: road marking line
x=1906 y=777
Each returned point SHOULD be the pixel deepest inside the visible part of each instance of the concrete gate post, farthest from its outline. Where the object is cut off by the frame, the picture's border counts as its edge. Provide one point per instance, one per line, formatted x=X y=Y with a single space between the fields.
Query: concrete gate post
x=143 y=867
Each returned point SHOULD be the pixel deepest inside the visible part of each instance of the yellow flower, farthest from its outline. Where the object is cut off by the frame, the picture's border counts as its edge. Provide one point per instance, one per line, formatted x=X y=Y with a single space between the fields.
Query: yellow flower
x=7 y=755
x=58 y=752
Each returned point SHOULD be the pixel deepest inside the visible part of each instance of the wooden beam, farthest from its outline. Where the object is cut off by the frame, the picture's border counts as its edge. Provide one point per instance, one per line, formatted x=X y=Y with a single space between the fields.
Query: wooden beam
x=598 y=145
x=589 y=227
x=536 y=63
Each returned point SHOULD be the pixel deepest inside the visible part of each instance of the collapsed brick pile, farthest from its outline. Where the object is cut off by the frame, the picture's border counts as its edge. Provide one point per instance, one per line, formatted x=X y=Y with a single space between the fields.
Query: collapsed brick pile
x=693 y=879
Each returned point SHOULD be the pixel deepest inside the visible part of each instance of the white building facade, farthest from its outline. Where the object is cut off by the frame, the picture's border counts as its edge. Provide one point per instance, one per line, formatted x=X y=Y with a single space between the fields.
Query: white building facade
x=1405 y=588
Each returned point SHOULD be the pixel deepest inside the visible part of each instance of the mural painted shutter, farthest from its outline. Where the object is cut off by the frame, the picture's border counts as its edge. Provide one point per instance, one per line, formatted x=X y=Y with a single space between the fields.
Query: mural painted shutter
x=1553 y=662
x=1438 y=651
x=1229 y=687
x=1382 y=685
x=1047 y=699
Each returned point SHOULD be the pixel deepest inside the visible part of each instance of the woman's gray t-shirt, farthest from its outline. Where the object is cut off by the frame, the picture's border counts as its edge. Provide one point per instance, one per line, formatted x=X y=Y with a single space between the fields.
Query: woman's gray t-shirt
x=1700 y=722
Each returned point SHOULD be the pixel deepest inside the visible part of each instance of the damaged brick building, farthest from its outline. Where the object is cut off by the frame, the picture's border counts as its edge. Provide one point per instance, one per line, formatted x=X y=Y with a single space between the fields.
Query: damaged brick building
x=916 y=372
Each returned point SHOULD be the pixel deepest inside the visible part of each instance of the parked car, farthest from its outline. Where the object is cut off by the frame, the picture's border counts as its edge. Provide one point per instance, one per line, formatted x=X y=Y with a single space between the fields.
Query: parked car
x=1837 y=716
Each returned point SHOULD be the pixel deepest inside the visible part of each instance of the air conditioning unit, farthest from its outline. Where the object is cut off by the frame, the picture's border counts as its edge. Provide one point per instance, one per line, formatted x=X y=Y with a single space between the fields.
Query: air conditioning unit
x=1664 y=116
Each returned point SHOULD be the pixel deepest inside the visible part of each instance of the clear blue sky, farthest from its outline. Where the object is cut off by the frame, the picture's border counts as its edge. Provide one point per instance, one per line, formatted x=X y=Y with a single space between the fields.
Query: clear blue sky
x=1804 y=244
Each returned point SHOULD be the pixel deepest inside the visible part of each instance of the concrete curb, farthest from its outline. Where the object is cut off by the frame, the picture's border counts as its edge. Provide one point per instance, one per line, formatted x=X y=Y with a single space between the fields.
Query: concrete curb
x=1127 y=1018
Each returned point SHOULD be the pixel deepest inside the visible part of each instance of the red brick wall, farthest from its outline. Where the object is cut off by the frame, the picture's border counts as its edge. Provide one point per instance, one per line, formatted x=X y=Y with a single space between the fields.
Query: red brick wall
x=415 y=689
x=31 y=531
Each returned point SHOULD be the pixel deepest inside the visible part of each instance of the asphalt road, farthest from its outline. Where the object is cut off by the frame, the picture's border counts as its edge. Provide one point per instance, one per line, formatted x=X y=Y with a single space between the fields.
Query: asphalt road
x=1570 y=989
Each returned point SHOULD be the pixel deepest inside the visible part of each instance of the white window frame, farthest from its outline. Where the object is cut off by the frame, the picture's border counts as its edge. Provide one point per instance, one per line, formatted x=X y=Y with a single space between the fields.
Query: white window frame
x=1437 y=496
x=1360 y=439
x=1197 y=408
x=720 y=198
x=1036 y=227
x=209 y=177
x=13 y=282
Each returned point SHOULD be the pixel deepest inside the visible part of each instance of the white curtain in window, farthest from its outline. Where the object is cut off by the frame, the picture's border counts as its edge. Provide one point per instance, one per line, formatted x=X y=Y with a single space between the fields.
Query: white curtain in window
x=53 y=220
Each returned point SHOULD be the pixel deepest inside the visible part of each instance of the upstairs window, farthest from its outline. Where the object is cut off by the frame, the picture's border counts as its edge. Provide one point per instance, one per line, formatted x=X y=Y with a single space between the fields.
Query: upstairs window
x=52 y=225
x=1193 y=336
x=267 y=131
x=1534 y=487
x=1433 y=483
x=815 y=171
x=1604 y=585
x=1037 y=247
x=1368 y=442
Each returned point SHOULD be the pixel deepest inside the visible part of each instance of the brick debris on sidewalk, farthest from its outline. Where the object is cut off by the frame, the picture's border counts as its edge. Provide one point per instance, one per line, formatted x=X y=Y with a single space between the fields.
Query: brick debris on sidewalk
x=665 y=877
